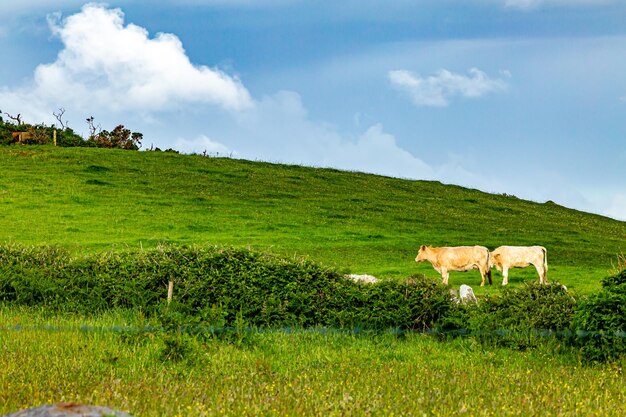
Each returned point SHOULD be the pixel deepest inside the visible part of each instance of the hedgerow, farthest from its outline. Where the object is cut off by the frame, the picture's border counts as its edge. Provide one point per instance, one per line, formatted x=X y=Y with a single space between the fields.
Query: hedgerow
x=600 y=321
x=220 y=285
x=237 y=288
x=519 y=317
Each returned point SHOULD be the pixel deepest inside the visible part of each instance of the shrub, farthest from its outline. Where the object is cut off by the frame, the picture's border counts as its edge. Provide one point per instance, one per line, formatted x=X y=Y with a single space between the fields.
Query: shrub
x=416 y=303
x=520 y=317
x=217 y=286
x=600 y=321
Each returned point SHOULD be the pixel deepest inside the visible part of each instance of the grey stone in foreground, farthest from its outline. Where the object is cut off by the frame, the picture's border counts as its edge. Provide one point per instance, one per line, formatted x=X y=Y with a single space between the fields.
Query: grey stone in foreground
x=68 y=410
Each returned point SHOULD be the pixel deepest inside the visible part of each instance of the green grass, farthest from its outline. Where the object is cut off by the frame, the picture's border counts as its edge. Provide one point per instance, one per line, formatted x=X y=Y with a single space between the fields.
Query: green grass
x=275 y=373
x=90 y=200
x=94 y=199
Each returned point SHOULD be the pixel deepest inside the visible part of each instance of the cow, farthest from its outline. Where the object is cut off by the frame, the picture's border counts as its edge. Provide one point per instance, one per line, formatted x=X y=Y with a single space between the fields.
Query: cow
x=457 y=258
x=506 y=257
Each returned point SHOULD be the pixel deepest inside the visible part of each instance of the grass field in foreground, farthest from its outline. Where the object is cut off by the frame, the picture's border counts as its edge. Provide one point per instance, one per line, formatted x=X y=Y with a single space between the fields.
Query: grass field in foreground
x=48 y=359
x=99 y=199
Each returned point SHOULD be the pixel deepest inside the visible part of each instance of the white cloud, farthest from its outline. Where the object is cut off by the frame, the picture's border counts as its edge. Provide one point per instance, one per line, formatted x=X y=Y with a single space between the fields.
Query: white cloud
x=437 y=90
x=106 y=65
x=279 y=129
x=203 y=144
x=377 y=151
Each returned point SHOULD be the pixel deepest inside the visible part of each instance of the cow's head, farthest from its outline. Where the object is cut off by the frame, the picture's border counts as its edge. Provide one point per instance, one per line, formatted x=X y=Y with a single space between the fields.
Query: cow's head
x=422 y=254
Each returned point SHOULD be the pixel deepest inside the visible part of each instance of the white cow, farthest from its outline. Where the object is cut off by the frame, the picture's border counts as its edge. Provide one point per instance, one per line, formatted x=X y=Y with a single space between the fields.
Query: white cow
x=506 y=257
x=457 y=258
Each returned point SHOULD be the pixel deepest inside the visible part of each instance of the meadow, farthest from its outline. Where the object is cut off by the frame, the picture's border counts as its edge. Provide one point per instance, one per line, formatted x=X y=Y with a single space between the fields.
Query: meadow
x=91 y=200
x=279 y=373
x=96 y=204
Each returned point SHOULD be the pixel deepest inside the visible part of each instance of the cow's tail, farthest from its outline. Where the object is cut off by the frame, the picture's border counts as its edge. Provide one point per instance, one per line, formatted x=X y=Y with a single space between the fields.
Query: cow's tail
x=545 y=265
x=489 y=267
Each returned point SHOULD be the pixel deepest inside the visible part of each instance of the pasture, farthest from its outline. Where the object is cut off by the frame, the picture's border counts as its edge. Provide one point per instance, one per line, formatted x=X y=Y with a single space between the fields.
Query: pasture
x=90 y=200
x=96 y=204
x=276 y=373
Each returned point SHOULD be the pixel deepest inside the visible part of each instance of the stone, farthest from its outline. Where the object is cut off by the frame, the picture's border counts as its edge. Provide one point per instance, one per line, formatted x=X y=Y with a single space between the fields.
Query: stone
x=368 y=279
x=68 y=410
x=466 y=294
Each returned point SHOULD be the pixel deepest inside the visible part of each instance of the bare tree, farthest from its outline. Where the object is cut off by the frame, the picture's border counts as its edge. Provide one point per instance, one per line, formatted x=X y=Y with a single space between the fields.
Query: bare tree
x=59 y=117
x=92 y=128
x=17 y=118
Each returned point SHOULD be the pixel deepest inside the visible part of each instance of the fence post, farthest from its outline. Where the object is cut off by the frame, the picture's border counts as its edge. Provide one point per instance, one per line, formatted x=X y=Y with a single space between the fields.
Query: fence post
x=170 y=290
x=54 y=137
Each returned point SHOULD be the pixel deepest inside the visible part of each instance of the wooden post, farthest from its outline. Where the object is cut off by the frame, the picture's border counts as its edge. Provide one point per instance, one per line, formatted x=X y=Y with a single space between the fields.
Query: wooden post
x=54 y=137
x=170 y=290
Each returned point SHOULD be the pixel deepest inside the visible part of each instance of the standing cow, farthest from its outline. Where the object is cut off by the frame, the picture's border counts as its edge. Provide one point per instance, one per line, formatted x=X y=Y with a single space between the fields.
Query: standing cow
x=506 y=257
x=457 y=258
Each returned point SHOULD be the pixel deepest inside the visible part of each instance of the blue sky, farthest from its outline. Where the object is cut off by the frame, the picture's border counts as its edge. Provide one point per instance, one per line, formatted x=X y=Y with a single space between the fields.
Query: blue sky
x=524 y=97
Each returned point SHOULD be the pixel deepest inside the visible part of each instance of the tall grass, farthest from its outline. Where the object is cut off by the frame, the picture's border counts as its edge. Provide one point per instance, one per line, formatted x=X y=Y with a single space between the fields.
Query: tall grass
x=51 y=358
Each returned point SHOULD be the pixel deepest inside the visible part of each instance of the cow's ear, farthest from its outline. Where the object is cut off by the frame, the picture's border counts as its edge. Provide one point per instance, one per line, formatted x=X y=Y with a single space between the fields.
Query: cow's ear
x=423 y=247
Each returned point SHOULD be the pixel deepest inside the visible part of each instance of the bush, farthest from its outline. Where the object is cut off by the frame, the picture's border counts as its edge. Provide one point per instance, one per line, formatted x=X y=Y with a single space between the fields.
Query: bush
x=600 y=321
x=216 y=286
x=521 y=317
x=68 y=138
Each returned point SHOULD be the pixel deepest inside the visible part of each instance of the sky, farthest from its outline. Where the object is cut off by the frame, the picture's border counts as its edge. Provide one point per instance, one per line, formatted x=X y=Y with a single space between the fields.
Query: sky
x=523 y=97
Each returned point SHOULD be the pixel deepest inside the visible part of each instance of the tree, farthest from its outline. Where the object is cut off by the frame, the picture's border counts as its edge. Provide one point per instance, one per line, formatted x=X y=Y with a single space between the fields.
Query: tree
x=119 y=137
x=59 y=117
x=17 y=118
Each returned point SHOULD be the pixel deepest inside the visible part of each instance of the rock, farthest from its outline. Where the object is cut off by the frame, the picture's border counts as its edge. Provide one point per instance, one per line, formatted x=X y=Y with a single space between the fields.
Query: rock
x=68 y=410
x=466 y=294
x=368 y=279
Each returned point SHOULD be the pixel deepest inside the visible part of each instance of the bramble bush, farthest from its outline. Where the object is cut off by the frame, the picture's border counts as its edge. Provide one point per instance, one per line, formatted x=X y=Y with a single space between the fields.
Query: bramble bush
x=600 y=321
x=520 y=317
x=216 y=286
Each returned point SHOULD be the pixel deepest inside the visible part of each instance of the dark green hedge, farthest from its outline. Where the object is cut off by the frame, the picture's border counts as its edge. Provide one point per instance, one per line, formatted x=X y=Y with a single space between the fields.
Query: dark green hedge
x=600 y=321
x=218 y=283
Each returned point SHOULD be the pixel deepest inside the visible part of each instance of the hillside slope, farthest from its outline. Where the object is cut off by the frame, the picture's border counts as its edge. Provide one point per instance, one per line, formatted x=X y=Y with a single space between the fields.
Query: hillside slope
x=94 y=199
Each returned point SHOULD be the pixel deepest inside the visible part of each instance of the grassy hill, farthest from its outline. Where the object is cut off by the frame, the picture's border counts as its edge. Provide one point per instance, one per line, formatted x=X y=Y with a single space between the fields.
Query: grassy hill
x=94 y=199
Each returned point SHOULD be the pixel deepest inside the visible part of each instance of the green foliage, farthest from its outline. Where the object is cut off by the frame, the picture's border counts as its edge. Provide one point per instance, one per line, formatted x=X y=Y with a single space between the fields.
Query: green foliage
x=215 y=286
x=416 y=303
x=68 y=138
x=520 y=317
x=601 y=321
x=119 y=138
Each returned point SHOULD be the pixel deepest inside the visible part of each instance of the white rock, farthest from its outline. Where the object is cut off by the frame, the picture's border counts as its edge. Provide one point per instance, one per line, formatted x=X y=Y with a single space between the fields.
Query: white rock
x=466 y=294
x=368 y=279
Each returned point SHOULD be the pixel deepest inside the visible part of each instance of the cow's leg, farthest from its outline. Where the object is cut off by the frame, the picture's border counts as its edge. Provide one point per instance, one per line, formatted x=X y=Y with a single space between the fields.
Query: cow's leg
x=505 y=275
x=485 y=272
x=444 y=275
x=542 y=274
x=482 y=276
